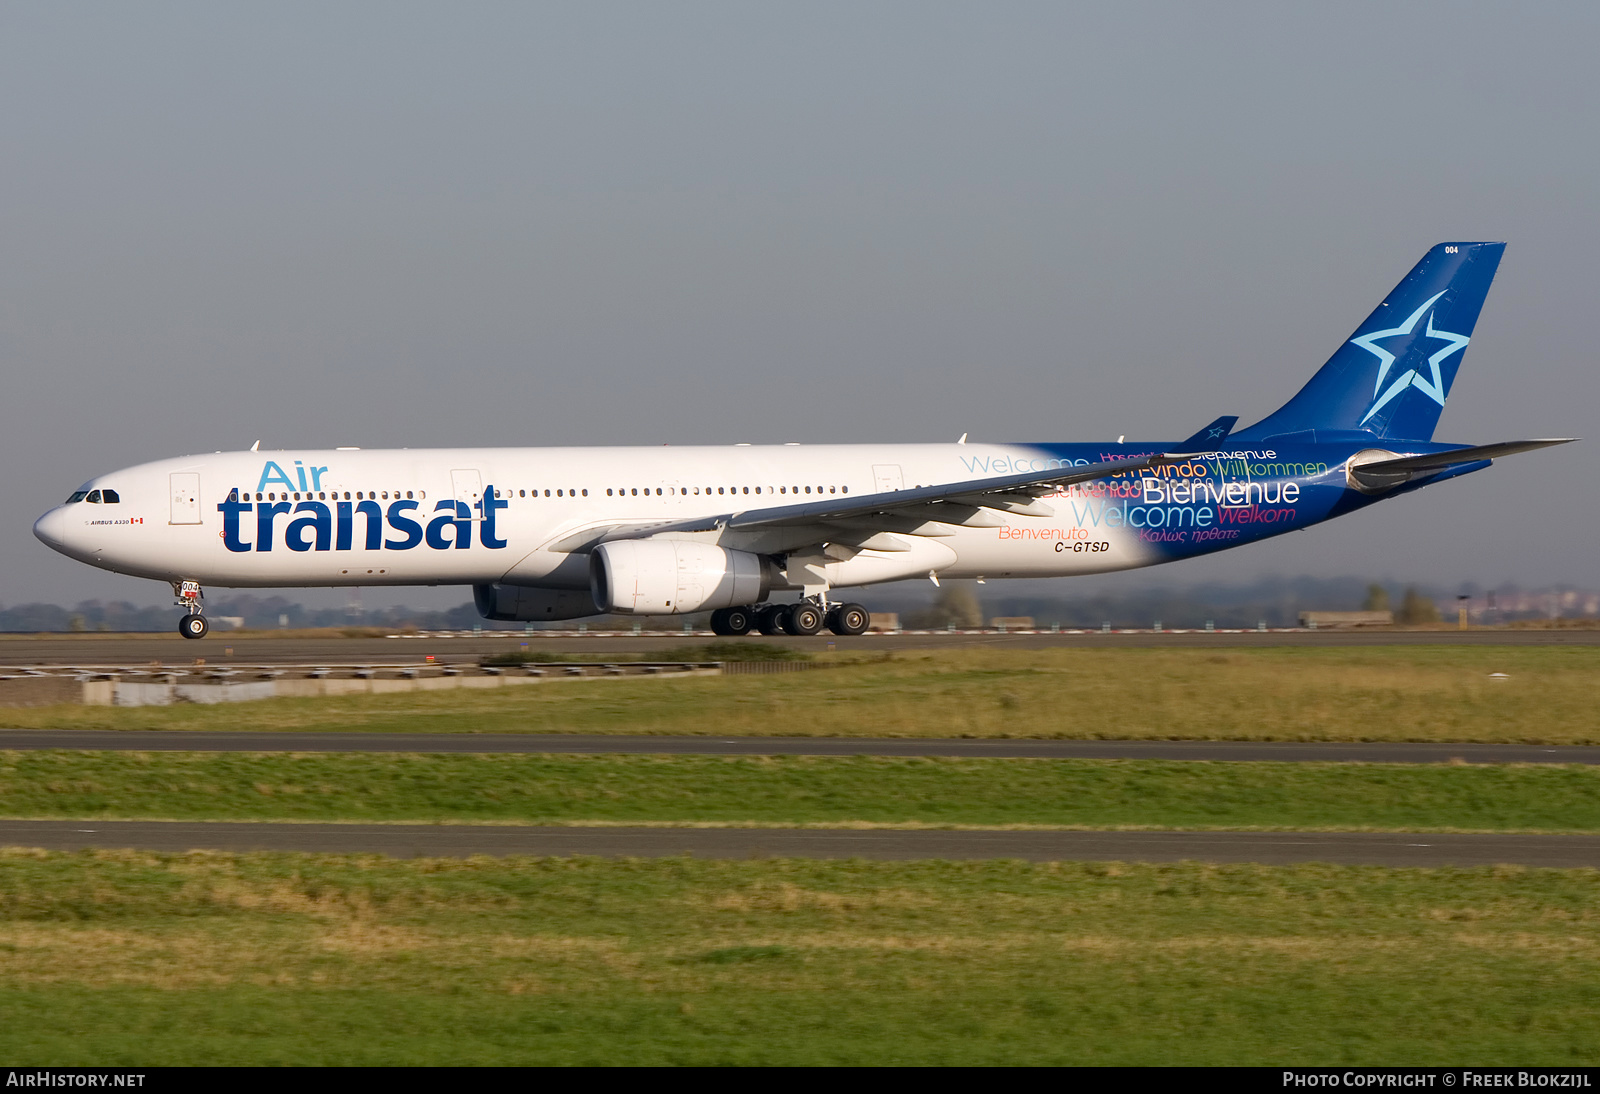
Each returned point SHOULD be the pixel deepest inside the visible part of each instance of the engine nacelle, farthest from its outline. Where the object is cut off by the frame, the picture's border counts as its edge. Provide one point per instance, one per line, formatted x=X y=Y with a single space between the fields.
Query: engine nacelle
x=674 y=577
x=527 y=605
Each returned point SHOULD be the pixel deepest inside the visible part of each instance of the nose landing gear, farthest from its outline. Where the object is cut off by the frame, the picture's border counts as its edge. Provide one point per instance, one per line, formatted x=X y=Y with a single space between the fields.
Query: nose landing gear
x=193 y=624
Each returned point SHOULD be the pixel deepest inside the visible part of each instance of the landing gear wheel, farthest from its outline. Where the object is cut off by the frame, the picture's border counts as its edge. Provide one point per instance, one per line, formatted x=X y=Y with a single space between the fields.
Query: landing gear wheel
x=736 y=620
x=193 y=626
x=769 y=620
x=719 y=621
x=803 y=619
x=849 y=619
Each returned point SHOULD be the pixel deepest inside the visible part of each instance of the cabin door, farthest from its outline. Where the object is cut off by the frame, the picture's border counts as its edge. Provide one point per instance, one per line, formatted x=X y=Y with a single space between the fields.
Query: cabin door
x=468 y=486
x=185 y=494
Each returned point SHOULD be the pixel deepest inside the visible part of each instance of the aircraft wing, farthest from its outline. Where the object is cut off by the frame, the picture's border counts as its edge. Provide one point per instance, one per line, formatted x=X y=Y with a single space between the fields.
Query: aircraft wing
x=874 y=521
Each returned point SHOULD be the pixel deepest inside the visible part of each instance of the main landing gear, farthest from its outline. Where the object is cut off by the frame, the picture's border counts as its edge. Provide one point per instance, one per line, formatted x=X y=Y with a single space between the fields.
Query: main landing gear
x=806 y=617
x=193 y=624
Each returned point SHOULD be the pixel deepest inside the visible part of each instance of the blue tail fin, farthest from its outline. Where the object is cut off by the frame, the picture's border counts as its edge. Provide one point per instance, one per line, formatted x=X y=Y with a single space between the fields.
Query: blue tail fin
x=1392 y=377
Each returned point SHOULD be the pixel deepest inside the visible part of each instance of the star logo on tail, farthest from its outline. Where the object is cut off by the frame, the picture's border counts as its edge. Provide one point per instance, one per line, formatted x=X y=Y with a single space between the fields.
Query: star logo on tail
x=1432 y=385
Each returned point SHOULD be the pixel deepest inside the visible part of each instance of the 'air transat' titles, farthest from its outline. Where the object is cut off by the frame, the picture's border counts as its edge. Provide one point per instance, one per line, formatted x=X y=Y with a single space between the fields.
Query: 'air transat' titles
x=321 y=526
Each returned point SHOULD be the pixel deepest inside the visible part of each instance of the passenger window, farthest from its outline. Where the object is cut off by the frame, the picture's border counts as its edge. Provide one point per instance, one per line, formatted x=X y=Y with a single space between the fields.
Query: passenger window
x=719 y=489
x=844 y=489
x=111 y=497
x=558 y=493
x=408 y=493
x=832 y=490
x=808 y=489
x=658 y=491
x=747 y=490
x=586 y=493
x=423 y=494
x=386 y=495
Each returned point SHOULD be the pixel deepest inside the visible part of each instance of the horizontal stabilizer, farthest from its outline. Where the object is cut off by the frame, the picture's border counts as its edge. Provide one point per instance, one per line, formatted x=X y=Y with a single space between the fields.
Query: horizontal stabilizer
x=1211 y=436
x=1381 y=474
x=1438 y=461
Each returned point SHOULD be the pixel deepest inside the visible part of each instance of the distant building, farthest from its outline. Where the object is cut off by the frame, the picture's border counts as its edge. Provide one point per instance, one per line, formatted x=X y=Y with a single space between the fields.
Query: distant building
x=1345 y=620
x=1012 y=623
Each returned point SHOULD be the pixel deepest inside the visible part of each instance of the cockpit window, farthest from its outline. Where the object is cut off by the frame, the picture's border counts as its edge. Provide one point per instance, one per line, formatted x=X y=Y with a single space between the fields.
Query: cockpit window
x=93 y=498
x=77 y=495
x=110 y=497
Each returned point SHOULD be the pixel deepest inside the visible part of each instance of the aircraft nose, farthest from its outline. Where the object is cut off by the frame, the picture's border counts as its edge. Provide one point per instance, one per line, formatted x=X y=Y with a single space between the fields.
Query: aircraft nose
x=52 y=528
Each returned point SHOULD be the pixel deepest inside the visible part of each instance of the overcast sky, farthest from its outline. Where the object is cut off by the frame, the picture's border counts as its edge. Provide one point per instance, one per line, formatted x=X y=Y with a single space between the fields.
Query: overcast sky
x=460 y=224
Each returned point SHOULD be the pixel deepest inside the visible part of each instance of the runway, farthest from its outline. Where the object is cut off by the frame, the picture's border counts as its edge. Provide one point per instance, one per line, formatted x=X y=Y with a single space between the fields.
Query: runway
x=142 y=650
x=455 y=841
x=599 y=744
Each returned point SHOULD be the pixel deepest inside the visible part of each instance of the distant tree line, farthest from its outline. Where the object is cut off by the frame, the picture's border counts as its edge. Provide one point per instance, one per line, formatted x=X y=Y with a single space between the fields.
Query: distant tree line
x=1276 y=601
x=257 y=613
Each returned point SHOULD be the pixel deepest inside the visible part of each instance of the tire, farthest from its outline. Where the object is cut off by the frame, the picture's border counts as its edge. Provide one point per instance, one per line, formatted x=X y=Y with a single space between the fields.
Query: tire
x=769 y=620
x=719 y=621
x=737 y=620
x=193 y=626
x=803 y=619
x=849 y=619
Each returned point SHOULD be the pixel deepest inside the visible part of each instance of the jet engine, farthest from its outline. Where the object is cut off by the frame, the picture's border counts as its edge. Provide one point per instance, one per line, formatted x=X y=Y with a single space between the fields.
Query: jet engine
x=674 y=577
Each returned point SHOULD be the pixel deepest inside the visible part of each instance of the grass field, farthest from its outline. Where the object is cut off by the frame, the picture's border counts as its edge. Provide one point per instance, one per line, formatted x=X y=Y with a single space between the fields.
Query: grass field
x=798 y=790
x=119 y=958
x=1369 y=693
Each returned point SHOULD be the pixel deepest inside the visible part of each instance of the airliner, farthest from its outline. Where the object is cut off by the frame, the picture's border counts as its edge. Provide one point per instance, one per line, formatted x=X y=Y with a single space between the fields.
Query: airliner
x=762 y=536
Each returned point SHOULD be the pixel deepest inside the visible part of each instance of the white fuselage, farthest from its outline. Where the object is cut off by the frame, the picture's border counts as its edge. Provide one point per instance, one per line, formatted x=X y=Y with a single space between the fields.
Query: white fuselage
x=418 y=517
